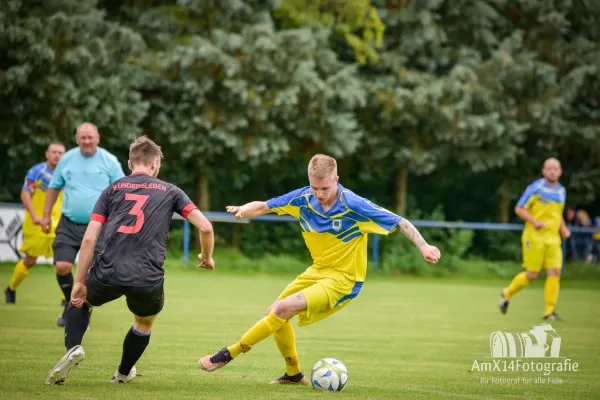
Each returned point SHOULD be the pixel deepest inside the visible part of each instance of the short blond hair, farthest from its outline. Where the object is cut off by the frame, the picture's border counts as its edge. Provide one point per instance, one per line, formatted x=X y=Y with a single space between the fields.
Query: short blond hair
x=322 y=166
x=143 y=151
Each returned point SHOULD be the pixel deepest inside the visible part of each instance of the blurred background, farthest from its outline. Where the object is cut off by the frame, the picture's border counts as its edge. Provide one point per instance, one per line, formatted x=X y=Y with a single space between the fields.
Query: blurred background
x=437 y=110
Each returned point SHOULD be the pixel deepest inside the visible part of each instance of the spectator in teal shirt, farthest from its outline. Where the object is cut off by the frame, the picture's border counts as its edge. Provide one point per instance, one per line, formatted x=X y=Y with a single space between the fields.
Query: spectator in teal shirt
x=82 y=174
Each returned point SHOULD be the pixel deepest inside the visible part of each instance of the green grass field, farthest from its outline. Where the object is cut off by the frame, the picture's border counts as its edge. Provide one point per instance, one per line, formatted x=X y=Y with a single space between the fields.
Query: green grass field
x=402 y=338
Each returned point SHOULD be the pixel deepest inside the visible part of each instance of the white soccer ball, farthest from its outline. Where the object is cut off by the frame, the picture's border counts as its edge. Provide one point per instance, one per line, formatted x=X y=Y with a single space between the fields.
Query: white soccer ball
x=329 y=374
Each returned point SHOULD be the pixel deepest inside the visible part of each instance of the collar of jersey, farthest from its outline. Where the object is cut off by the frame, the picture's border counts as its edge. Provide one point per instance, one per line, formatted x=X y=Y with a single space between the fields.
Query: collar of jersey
x=140 y=173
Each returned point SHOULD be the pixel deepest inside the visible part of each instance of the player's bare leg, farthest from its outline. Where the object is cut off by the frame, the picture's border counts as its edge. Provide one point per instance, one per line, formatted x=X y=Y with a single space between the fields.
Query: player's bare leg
x=279 y=314
x=135 y=343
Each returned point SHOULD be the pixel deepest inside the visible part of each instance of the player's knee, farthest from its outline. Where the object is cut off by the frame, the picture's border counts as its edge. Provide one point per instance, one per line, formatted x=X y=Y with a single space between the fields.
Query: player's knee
x=532 y=275
x=283 y=309
x=144 y=324
x=63 y=268
x=553 y=272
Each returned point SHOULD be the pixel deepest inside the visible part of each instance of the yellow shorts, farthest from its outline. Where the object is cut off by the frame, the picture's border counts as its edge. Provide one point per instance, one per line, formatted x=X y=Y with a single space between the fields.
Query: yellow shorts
x=326 y=291
x=538 y=254
x=37 y=246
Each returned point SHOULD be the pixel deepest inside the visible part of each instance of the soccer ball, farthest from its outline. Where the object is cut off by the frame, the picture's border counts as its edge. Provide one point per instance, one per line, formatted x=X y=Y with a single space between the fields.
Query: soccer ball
x=329 y=374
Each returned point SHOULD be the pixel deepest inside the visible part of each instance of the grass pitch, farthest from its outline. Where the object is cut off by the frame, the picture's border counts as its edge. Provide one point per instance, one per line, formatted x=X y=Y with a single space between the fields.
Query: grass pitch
x=402 y=338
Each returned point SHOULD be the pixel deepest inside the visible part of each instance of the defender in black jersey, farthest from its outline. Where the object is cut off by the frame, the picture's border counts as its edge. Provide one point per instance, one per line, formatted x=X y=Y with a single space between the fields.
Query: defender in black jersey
x=135 y=212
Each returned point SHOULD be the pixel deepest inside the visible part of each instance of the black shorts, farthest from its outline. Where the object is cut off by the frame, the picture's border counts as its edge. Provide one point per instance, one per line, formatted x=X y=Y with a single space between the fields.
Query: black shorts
x=143 y=301
x=67 y=242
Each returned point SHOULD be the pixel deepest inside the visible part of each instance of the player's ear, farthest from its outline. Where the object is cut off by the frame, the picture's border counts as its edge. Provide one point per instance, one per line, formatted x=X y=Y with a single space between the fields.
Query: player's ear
x=130 y=165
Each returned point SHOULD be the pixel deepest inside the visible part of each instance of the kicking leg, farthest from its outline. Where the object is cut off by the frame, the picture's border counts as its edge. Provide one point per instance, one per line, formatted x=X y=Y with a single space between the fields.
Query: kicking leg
x=76 y=324
x=135 y=343
x=275 y=319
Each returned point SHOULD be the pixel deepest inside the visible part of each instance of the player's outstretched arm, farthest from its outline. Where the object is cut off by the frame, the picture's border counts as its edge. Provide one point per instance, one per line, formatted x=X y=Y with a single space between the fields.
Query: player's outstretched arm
x=51 y=196
x=86 y=254
x=207 y=239
x=430 y=253
x=252 y=209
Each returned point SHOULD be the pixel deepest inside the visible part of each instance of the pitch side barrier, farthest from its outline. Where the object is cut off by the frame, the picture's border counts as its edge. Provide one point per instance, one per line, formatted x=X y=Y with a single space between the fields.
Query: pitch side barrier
x=12 y=215
x=215 y=216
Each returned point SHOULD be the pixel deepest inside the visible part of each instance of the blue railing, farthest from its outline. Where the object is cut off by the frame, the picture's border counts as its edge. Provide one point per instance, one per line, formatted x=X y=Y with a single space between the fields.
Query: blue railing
x=226 y=217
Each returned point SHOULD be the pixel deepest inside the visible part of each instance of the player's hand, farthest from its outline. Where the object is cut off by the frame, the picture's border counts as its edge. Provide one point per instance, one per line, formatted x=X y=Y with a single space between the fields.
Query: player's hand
x=236 y=211
x=430 y=253
x=565 y=233
x=36 y=220
x=78 y=294
x=206 y=263
x=538 y=225
x=46 y=223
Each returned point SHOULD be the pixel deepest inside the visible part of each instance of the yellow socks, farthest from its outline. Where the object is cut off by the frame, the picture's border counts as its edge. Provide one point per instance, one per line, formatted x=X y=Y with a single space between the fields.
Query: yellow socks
x=19 y=273
x=286 y=342
x=259 y=332
x=518 y=283
x=551 y=289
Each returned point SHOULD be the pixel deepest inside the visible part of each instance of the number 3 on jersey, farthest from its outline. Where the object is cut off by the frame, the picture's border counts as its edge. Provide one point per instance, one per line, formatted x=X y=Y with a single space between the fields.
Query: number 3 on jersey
x=140 y=200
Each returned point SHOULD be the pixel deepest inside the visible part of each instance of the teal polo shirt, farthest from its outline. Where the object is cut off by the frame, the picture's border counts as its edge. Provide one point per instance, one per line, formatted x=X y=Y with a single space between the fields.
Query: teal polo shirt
x=82 y=180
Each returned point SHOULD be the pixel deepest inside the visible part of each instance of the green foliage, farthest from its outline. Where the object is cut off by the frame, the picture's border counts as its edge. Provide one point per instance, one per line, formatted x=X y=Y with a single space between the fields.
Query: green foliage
x=355 y=23
x=400 y=256
x=458 y=102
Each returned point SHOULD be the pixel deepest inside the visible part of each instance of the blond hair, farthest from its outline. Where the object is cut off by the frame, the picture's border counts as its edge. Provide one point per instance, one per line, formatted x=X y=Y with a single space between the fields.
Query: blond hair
x=322 y=166
x=143 y=151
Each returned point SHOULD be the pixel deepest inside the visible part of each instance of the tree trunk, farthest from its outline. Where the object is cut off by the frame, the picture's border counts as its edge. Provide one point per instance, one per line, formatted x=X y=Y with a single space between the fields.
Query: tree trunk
x=401 y=186
x=236 y=240
x=503 y=212
x=202 y=198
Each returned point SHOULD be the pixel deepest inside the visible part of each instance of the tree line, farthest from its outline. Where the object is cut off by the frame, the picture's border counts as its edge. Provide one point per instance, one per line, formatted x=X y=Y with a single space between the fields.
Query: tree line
x=425 y=104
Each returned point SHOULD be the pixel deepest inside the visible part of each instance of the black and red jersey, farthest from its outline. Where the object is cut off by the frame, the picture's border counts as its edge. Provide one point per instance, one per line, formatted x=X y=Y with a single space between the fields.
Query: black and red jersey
x=136 y=212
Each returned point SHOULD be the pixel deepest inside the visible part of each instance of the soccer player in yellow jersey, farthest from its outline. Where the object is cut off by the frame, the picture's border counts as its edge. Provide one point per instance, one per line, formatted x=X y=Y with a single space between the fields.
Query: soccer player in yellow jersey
x=335 y=224
x=541 y=207
x=36 y=243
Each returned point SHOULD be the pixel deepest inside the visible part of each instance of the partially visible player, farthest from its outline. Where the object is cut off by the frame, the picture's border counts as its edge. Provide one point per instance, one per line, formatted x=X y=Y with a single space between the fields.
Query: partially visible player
x=136 y=212
x=36 y=242
x=335 y=224
x=541 y=207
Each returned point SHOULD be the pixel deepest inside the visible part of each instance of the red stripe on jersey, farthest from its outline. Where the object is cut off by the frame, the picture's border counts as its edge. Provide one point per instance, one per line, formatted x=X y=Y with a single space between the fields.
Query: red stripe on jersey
x=140 y=173
x=98 y=217
x=188 y=209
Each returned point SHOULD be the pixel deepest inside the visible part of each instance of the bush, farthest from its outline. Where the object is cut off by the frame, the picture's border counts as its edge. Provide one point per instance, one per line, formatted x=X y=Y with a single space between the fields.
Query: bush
x=401 y=256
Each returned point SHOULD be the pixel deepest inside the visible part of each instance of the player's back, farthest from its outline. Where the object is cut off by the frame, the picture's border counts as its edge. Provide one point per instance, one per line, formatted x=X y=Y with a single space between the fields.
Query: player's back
x=136 y=211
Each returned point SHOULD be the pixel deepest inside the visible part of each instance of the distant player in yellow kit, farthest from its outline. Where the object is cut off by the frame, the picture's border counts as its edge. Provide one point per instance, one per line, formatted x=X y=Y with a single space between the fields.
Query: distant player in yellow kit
x=335 y=224
x=36 y=243
x=541 y=207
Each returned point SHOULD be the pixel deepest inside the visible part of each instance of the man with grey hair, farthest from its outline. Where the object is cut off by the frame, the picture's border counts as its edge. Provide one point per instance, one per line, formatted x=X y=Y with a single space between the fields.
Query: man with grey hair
x=82 y=174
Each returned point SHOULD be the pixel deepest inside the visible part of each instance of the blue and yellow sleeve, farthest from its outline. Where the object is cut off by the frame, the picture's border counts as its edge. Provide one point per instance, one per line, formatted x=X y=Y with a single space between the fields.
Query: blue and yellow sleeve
x=289 y=203
x=31 y=177
x=529 y=196
x=372 y=218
